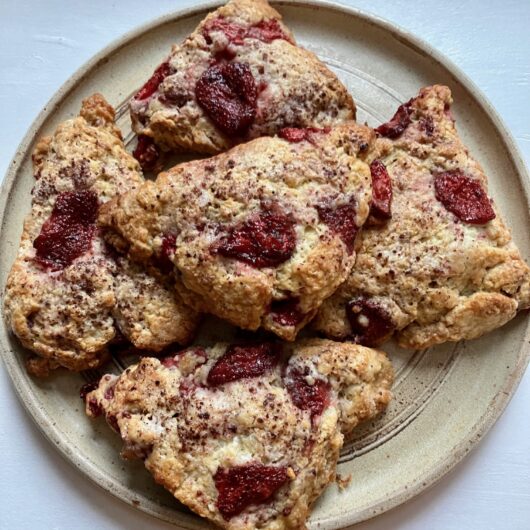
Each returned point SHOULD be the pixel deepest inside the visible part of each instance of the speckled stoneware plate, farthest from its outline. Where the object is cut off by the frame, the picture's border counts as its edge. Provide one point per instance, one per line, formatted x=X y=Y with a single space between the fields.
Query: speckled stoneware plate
x=446 y=398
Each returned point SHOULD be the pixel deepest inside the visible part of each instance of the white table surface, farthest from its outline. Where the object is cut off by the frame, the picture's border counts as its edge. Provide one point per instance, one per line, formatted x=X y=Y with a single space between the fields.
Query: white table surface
x=43 y=42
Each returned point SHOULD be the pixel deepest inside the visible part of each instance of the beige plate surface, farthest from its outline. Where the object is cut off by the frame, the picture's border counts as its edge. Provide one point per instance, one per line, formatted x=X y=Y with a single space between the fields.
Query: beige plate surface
x=445 y=399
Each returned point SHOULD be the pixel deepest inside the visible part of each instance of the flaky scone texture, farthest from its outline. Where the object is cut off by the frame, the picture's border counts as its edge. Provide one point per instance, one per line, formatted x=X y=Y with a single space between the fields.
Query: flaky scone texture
x=294 y=89
x=435 y=277
x=66 y=316
x=320 y=189
x=191 y=429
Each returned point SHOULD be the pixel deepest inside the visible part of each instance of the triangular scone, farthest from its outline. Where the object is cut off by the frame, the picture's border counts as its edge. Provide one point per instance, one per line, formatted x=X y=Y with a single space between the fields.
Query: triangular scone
x=66 y=289
x=259 y=235
x=238 y=76
x=240 y=434
x=444 y=267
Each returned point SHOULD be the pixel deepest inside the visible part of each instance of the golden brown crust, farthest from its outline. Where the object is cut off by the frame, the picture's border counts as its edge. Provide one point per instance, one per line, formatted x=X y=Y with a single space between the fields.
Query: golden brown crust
x=299 y=91
x=66 y=316
x=185 y=430
x=197 y=202
x=438 y=278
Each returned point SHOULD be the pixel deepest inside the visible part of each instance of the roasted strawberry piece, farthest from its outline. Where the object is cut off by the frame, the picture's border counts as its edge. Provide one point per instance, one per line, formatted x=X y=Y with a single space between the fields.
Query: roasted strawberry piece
x=381 y=191
x=152 y=84
x=307 y=392
x=241 y=486
x=68 y=233
x=227 y=93
x=342 y=221
x=242 y=362
x=399 y=122
x=267 y=240
x=463 y=196
x=370 y=323
x=147 y=153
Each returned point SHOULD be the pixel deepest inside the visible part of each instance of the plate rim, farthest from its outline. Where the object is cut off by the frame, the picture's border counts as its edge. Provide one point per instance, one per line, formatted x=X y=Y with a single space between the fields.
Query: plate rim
x=497 y=404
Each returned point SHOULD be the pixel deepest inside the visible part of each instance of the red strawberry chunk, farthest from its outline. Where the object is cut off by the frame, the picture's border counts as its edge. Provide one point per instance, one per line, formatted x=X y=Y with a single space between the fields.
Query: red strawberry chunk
x=399 y=122
x=241 y=486
x=381 y=191
x=152 y=84
x=146 y=153
x=67 y=234
x=341 y=220
x=370 y=323
x=267 y=240
x=227 y=93
x=307 y=392
x=463 y=196
x=286 y=312
x=243 y=362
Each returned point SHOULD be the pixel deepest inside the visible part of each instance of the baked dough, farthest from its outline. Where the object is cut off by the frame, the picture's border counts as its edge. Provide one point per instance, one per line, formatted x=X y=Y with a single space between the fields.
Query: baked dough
x=259 y=235
x=65 y=312
x=245 y=435
x=426 y=274
x=278 y=85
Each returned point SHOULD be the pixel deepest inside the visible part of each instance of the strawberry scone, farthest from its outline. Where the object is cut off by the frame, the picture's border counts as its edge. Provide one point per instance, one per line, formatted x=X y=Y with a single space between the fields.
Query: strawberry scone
x=245 y=435
x=66 y=290
x=444 y=266
x=238 y=76
x=259 y=235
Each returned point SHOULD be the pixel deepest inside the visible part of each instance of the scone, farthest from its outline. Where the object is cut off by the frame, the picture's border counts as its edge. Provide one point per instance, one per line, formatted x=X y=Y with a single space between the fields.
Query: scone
x=66 y=289
x=242 y=434
x=444 y=267
x=238 y=76
x=259 y=235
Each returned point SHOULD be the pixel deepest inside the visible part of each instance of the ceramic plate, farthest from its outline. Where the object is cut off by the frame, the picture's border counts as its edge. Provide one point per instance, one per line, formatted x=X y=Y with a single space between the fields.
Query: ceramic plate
x=446 y=398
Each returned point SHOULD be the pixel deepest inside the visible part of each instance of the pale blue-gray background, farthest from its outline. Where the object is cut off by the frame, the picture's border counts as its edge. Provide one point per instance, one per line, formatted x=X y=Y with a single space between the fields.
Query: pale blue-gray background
x=43 y=42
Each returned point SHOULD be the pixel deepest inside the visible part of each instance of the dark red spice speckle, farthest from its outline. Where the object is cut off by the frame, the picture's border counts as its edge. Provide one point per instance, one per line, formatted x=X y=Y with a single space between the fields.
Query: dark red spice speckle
x=243 y=362
x=267 y=240
x=152 y=84
x=463 y=196
x=241 y=486
x=227 y=93
x=294 y=135
x=371 y=324
x=313 y=397
x=286 y=312
x=381 y=191
x=399 y=122
x=341 y=220
x=94 y=407
x=68 y=232
x=147 y=153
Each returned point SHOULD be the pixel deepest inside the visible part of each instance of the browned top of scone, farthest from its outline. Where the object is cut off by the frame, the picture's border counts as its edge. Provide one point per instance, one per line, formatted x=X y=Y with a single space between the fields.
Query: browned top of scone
x=266 y=228
x=444 y=267
x=244 y=434
x=238 y=76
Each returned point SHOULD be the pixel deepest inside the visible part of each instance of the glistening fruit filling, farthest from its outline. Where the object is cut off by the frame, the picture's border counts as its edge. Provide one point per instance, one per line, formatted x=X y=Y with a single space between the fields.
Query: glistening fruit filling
x=370 y=323
x=69 y=231
x=381 y=191
x=227 y=93
x=398 y=123
x=241 y=486
x=152 y=84
x=286 y=312
x=463 y=196
x=266 y=240
x=297 y=135
x=307 y=392
x=146 y=153
x=243 y=362
x=341 y=220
